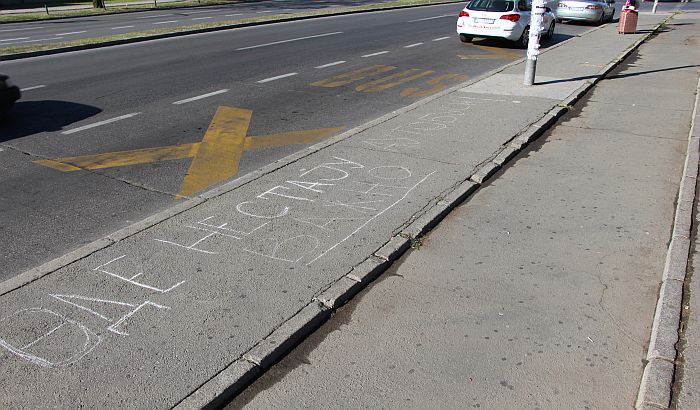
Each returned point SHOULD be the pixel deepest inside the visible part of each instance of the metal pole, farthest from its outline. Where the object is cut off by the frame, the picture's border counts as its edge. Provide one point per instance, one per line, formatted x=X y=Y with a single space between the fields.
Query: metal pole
x=653 y=9
x=533 y=45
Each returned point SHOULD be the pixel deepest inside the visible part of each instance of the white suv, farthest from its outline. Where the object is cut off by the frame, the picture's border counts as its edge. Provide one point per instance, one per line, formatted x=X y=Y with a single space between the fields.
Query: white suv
x=506 y=19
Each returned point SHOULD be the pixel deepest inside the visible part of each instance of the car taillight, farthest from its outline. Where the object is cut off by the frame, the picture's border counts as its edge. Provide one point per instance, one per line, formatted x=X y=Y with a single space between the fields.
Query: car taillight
x=594 y=7
x=463 y=14
x=511 y=17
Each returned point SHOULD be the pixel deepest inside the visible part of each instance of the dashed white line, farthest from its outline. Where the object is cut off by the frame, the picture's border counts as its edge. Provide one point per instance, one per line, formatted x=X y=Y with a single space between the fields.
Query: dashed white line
x=431 y=18
x=441 y=38
x=166 y=22
x=18 y=29
x=266 y=11
x=72 y=32
x=122 y=27
x=34 y=41
x=152 y=17
x=202 y=18
x=375 y=54
x=231 y=15
x=201 y=11
x=15 y=39
x=32 y=88
x=199 y=97
x=331 y=64
x=97 y=124
x=290 y=40
x=413 y=45
x=276 y=78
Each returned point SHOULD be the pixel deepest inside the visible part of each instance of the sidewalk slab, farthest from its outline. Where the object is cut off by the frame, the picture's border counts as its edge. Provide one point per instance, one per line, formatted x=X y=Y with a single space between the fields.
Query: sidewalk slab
x=539 y=292
x=153 y=317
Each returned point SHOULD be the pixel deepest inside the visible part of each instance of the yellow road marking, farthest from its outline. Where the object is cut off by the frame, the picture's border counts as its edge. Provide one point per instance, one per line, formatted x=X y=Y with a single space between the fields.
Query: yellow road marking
x=219 y=152
x=384 y=84
x=495 y=54
x=352 y=76
x=121 y=158
x=215 y=159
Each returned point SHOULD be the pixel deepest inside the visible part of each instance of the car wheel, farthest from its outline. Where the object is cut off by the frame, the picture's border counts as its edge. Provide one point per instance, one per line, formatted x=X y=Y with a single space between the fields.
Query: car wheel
x=465 y=38
x=524 y=38
x=601 y=20
x=550 y=32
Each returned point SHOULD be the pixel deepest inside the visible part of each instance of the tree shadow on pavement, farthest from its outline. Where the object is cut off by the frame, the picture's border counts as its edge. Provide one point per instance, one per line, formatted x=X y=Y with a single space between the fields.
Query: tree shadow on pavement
x=33 y=117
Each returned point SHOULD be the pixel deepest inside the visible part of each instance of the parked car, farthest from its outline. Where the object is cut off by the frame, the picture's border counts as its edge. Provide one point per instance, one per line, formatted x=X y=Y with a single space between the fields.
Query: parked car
x=9 y=93
x=592 y=11
x=506 y=19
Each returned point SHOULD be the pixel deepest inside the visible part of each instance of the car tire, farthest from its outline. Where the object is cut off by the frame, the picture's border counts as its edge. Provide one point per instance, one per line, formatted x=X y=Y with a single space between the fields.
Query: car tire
x=601 y=20
x=465 y=38
x=612 y=16
x=524 y=38
x=550 y=31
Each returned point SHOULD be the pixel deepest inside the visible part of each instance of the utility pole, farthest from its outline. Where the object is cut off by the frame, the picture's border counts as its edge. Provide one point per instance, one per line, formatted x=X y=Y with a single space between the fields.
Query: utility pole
x=533 y=45
x=653 y=9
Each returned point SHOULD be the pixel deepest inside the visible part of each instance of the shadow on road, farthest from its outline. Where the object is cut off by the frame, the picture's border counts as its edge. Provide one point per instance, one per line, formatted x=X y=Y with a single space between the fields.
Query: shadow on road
x=495 y=42
x=32 y=117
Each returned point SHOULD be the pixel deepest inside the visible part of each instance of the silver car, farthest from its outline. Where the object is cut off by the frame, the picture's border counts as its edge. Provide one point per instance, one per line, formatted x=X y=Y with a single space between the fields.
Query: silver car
x=593 y=11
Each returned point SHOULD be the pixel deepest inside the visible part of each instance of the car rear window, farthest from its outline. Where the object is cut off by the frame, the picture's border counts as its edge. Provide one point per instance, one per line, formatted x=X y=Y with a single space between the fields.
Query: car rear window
x=491 y=5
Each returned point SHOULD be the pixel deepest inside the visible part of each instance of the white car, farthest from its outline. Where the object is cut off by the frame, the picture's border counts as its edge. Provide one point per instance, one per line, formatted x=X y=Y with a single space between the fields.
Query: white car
x=506 y=19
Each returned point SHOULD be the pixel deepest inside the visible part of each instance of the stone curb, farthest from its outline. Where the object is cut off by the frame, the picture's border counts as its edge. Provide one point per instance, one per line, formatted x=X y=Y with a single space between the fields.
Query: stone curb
x=238 y=375
x=657 y=379
x=82 y=47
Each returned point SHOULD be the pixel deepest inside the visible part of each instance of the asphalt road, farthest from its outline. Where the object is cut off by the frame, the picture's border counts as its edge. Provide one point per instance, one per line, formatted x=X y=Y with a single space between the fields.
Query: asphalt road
x=334 y=72
x=52 y=31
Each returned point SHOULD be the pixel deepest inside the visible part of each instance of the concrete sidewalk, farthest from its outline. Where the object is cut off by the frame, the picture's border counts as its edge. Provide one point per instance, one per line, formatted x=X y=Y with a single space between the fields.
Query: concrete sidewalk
x=540 y=291
x=186 y=307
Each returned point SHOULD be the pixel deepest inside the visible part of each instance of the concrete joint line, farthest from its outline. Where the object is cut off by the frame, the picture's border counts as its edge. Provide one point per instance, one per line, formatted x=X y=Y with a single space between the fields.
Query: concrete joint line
x=657 y=379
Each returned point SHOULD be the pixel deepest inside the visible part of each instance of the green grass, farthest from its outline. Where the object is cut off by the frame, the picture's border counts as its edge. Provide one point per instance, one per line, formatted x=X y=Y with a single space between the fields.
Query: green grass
x=228 y=23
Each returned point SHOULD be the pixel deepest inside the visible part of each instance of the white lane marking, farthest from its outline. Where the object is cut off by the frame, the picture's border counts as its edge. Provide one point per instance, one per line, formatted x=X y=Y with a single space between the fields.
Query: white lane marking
x=331 y=64
x=152 y=17
x=413 y=45
x=231 y=15
x=266 y=11
x=122 y=27
x=441 y=38
x=431 y=18
x=18 y=29
x=33 y=41
x=375 y=54
x=199 y=97
x=97 y=124
x=290 y=40
x=200 y=11
x=32 y=88
x=72 y=32
x=15 y=39
x=276 y=78
x=202 y=18
x=166 y=22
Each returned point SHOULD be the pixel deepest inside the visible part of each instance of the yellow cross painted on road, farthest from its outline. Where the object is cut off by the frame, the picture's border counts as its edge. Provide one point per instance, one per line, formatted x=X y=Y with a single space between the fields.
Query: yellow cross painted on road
x=214 y=159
